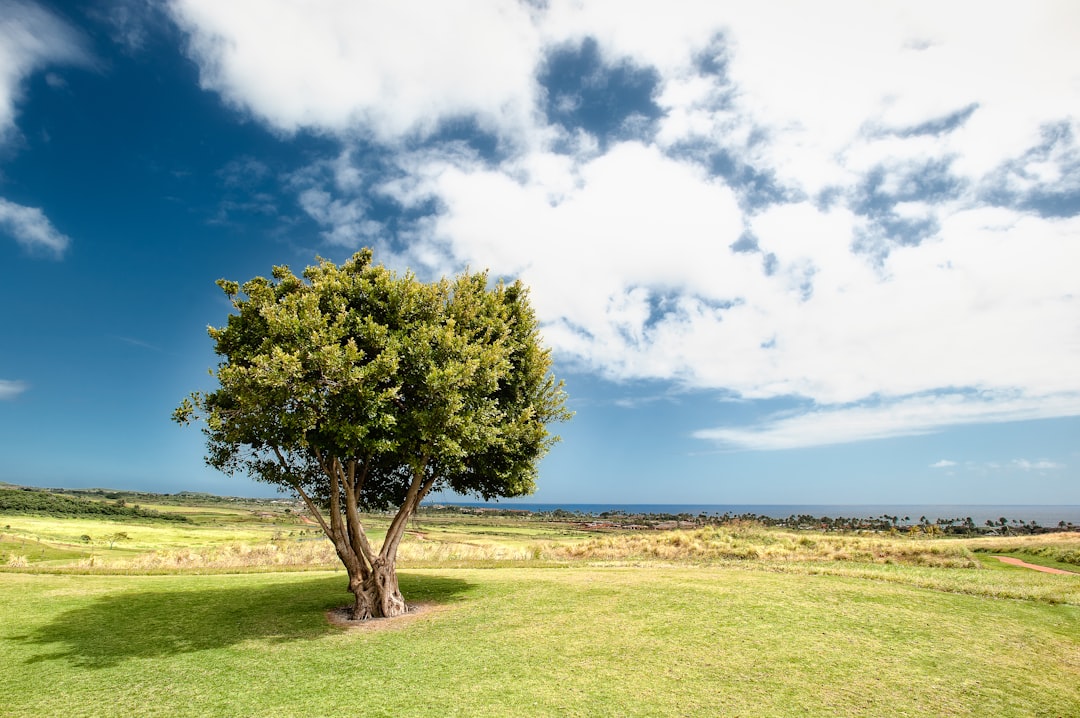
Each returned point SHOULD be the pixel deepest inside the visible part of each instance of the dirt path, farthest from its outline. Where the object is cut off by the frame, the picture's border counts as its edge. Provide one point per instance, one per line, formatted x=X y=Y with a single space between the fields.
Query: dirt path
x=1017 y=562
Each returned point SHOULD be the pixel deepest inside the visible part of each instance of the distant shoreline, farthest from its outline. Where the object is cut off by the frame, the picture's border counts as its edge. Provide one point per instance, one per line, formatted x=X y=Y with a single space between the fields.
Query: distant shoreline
x=1042 y=514
x=1046 y=515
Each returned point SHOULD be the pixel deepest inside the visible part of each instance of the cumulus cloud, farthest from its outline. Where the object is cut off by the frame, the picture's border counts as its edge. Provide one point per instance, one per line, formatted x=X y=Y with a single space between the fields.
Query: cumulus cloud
x=10 y=389
x=389 y=69
x=31 y=228
x=943 y=464
x=867 y=207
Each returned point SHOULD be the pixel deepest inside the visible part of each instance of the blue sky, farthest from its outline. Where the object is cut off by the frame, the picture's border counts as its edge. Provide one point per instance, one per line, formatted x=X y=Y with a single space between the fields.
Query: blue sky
x=782 y=252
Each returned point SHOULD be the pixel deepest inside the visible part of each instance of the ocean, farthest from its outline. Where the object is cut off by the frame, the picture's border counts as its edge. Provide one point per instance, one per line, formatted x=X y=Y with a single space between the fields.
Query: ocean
x=1044 y=515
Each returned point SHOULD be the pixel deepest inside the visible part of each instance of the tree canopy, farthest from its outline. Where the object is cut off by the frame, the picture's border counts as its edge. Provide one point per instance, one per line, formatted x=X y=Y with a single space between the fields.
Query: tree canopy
x=360 y=388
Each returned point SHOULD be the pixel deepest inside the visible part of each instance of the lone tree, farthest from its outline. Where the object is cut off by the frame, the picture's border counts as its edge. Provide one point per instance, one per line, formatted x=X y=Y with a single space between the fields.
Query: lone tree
x=360 y=389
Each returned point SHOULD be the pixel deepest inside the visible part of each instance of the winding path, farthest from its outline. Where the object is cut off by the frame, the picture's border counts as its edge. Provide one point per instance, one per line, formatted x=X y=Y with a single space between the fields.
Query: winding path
x=1017 y=562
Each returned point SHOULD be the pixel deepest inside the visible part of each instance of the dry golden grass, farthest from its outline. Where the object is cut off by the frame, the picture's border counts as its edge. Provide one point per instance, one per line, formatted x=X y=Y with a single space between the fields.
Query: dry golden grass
x=752 y=542
x=740 y=542
x=310 y=553
x=1063 y=539
x=233 y=555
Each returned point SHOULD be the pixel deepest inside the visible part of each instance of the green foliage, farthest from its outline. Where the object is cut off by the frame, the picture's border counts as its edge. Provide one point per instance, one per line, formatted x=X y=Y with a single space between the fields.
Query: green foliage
x=359 y=388
x=118 y=536
x=359 y=364
x=43 y=503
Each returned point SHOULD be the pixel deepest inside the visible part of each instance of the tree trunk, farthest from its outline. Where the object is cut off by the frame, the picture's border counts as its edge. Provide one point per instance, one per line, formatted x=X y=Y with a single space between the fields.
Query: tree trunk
x=378 y=596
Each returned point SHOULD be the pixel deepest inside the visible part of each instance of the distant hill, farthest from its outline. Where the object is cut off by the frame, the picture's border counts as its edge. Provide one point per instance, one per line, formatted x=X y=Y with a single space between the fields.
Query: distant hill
x=182 y=498
x=24 y=500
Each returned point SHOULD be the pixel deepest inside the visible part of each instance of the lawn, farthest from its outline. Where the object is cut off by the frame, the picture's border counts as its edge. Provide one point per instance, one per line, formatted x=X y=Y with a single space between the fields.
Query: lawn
x=524 y=618
x=568 y=641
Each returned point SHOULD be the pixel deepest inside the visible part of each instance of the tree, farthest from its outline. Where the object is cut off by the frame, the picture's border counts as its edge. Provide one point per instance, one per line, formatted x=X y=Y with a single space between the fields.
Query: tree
x=118 y=536
x=361 y=389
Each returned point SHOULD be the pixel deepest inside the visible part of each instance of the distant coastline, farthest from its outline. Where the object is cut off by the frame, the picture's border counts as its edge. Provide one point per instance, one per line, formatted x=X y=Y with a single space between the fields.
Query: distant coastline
x=1044 y=515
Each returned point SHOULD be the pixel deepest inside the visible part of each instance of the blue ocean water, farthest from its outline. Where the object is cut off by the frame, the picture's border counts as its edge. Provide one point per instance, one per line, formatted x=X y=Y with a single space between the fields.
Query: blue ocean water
x=1044 y=515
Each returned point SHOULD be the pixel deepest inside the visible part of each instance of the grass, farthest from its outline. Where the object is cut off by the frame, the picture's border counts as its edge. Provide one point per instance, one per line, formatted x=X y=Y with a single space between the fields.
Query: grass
x=148 y=536
x=33 y=550
x=531 y=618
x=752 y=542
x=1060 y=551
x=576 y=641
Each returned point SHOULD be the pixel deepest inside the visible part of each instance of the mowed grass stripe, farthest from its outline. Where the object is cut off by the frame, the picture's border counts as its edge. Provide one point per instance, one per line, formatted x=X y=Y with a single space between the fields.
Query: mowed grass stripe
x=574 y=641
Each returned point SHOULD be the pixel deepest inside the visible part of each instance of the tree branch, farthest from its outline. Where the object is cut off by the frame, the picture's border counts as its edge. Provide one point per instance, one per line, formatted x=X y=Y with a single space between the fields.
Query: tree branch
x=397 y=526
x=343 y=554
x=360 y=544
x=425 y=488
x=338 y=533
x=312 y=508
x=359 y=485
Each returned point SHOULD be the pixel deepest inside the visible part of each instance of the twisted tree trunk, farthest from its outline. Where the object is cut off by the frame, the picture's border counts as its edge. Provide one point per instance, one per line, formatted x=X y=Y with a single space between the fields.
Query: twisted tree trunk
x=372 y=576
x=377 y=596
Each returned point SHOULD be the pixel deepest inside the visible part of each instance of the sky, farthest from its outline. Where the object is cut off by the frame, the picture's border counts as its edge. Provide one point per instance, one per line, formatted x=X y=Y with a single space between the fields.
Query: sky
x=782 y=252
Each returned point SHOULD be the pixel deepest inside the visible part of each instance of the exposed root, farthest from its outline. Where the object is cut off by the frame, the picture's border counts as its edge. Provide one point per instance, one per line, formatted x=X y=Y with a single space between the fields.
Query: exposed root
x=342 y=617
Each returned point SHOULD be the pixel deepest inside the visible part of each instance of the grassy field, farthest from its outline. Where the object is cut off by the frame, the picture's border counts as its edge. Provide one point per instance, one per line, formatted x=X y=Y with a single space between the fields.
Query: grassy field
x=526 y=618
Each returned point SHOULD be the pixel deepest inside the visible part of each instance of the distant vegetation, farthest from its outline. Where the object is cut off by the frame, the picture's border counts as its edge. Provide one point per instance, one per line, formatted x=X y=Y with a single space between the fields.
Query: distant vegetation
x=183 y=498
x=43 y=503
x=948 y=526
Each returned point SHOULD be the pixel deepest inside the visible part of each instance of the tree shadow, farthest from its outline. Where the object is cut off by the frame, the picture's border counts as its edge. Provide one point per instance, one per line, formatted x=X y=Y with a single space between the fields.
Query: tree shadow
x=148 y=624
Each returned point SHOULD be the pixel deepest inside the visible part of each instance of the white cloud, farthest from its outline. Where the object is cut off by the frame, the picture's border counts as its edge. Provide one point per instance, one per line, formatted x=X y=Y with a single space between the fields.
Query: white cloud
x=632 y=272
x=885 y=288
x=815 y=78
x=986 y=467
x=31 y=38
x=390 y=69
x=943 y=464
x=31 y=228
x=10 y=389
x=904 y=417
x=1039 y=465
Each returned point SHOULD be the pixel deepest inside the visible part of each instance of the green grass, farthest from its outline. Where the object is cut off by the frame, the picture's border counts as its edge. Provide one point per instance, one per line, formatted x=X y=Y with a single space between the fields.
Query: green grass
x=989 y=561
x=143 y=536
x=35 y=551
x=1060 y=550
x=532 y=618
x=510 y=642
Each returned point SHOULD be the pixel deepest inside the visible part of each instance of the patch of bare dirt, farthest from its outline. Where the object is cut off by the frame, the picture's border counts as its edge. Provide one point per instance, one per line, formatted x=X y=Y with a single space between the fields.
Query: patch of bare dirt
x=1034 y=567
x=340 y=617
